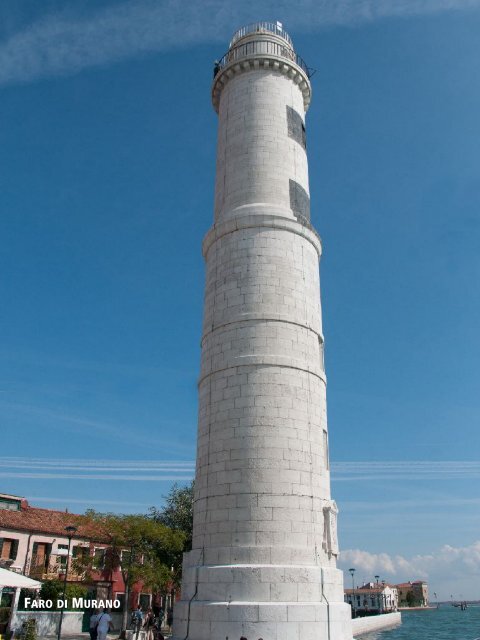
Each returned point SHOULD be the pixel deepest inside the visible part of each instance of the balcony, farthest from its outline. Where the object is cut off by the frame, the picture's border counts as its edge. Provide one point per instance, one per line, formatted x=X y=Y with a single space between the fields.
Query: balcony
x=261 y=47
x=52 y=568
x=261 y=27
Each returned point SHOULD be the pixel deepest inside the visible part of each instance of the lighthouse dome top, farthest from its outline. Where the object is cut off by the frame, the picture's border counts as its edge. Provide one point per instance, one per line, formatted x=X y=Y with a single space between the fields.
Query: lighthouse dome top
x=261 y=45
x=275 y=28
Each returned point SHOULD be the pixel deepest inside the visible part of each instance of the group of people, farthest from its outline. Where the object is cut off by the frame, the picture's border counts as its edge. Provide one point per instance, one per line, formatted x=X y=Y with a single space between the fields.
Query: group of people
x=151 y=623
x=101 y=623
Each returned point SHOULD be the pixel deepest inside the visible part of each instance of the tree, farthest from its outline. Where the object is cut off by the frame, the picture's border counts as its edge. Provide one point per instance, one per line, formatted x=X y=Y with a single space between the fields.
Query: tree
x=141 y=548
x=178 y=512
x=53 y=590
x=410 y=598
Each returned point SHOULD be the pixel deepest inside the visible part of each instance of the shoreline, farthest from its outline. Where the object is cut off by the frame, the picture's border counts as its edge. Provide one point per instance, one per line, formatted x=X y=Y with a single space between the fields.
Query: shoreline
x=417 y=608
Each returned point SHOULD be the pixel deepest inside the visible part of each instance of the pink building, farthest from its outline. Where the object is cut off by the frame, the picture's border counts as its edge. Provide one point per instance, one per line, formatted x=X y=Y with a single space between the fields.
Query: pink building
x=34 y=542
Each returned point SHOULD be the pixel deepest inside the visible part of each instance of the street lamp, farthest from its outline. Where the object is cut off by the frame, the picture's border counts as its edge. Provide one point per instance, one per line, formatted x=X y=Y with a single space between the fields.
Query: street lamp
x=71 y=530
x=352 y=573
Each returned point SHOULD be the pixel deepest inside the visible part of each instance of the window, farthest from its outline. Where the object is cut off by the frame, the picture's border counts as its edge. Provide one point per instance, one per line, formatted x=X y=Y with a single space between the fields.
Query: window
x=144 y=601
x=299 y=202
x=325 y=450
x=121 y=598
x=8 y=548
x=80 y=553
x=10 y=504
x=321 y=348
x=296 y=127
x=7 y=598
x=62 y=555
x=41 y=554
x=99 y=557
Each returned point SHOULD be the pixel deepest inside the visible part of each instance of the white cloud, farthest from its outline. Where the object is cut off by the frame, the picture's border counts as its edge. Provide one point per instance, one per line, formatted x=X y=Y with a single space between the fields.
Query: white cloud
x=64 y=43
x=448 y=570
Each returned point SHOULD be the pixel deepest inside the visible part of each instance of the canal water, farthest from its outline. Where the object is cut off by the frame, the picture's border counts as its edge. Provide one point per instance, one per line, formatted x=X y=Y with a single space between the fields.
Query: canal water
x=445 y=623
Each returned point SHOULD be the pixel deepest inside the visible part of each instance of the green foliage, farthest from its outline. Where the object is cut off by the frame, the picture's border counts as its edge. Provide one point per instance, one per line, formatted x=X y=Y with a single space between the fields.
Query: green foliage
x=178 y=512
x=4 y=614
x=25 y=593
x=410 y=598
x=75 y=591
x=142 y=548
x=136 y=543
x=51 y=590
x=30 y=630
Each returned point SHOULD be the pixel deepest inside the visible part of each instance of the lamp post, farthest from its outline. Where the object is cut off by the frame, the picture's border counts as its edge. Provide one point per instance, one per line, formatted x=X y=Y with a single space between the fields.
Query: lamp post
x=71 y=530
x=352 y=573
x=378 y=594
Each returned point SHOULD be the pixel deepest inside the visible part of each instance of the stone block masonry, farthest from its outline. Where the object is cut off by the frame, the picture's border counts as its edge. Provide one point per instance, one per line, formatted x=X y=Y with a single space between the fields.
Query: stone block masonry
x=263 y=563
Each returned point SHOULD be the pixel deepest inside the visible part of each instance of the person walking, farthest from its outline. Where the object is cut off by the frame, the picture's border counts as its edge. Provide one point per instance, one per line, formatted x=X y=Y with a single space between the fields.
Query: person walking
x=161 y=616
x=170 y=618
x=93 y=624
x=104 y=625
x=137 y=620
x=149 y=624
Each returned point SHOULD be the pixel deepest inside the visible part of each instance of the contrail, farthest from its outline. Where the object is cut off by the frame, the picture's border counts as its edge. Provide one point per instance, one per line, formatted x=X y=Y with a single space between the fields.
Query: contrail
x=65 y=43
x=183 y=470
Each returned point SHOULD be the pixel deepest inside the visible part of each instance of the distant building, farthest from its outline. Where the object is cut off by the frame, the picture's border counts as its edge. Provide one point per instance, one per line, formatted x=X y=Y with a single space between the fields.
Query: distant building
x=372 y=598
x=34 y=542
x=413 y=594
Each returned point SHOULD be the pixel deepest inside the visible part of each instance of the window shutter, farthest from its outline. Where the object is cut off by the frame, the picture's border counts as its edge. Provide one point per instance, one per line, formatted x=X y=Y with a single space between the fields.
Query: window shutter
x=14 y=550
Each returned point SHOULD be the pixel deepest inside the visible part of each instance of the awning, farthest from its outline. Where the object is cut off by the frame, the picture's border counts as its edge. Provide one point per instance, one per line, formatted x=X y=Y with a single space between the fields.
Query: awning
x=12 y=579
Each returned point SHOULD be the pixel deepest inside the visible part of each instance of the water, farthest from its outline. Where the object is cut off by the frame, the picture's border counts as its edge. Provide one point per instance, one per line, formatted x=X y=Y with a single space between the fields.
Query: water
x=445 y=623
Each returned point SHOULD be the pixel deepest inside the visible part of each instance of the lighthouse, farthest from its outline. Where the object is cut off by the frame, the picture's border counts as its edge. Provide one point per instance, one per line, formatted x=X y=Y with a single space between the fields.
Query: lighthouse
x=263 y=562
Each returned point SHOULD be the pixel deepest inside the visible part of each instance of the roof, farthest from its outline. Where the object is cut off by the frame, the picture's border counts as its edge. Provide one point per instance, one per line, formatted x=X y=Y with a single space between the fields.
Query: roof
x=12 y=579
x=49 y=521
x=366 y=590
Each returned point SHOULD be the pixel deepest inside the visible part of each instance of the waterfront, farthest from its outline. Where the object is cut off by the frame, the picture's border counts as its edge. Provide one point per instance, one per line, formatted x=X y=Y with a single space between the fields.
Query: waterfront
x=445 y=623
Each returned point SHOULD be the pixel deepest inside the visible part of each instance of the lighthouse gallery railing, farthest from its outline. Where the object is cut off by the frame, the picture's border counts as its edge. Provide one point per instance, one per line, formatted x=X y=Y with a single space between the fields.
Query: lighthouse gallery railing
x=266 y=47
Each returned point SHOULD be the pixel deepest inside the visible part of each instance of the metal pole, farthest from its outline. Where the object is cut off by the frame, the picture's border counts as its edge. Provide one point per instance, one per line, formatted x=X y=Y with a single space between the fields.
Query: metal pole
x=70 y=531
x=352 y=572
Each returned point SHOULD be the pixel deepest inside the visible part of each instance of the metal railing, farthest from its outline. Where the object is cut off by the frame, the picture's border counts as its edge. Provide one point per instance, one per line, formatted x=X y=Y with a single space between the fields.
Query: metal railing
x=50 y=566
x=265 y=47
x=261 y=27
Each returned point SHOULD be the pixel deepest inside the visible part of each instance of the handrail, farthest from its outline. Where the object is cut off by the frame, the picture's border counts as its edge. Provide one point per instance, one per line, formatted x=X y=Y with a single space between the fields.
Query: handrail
x=258 y=27
x=266 y=47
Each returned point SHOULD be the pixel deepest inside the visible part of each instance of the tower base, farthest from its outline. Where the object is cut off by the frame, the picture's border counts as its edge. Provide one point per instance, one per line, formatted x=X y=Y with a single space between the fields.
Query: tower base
x=273 y=602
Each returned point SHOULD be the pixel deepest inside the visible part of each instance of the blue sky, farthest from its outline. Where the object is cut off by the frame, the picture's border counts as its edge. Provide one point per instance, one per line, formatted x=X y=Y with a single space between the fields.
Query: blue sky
x=107 y=156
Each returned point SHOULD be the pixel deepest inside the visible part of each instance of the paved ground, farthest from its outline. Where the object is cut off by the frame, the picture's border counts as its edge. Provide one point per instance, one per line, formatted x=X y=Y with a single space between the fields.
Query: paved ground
x=86 y=636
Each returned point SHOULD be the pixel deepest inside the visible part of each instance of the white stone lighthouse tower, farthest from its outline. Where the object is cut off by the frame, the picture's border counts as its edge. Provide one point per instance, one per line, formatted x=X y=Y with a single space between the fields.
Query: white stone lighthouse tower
x=263 y=563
